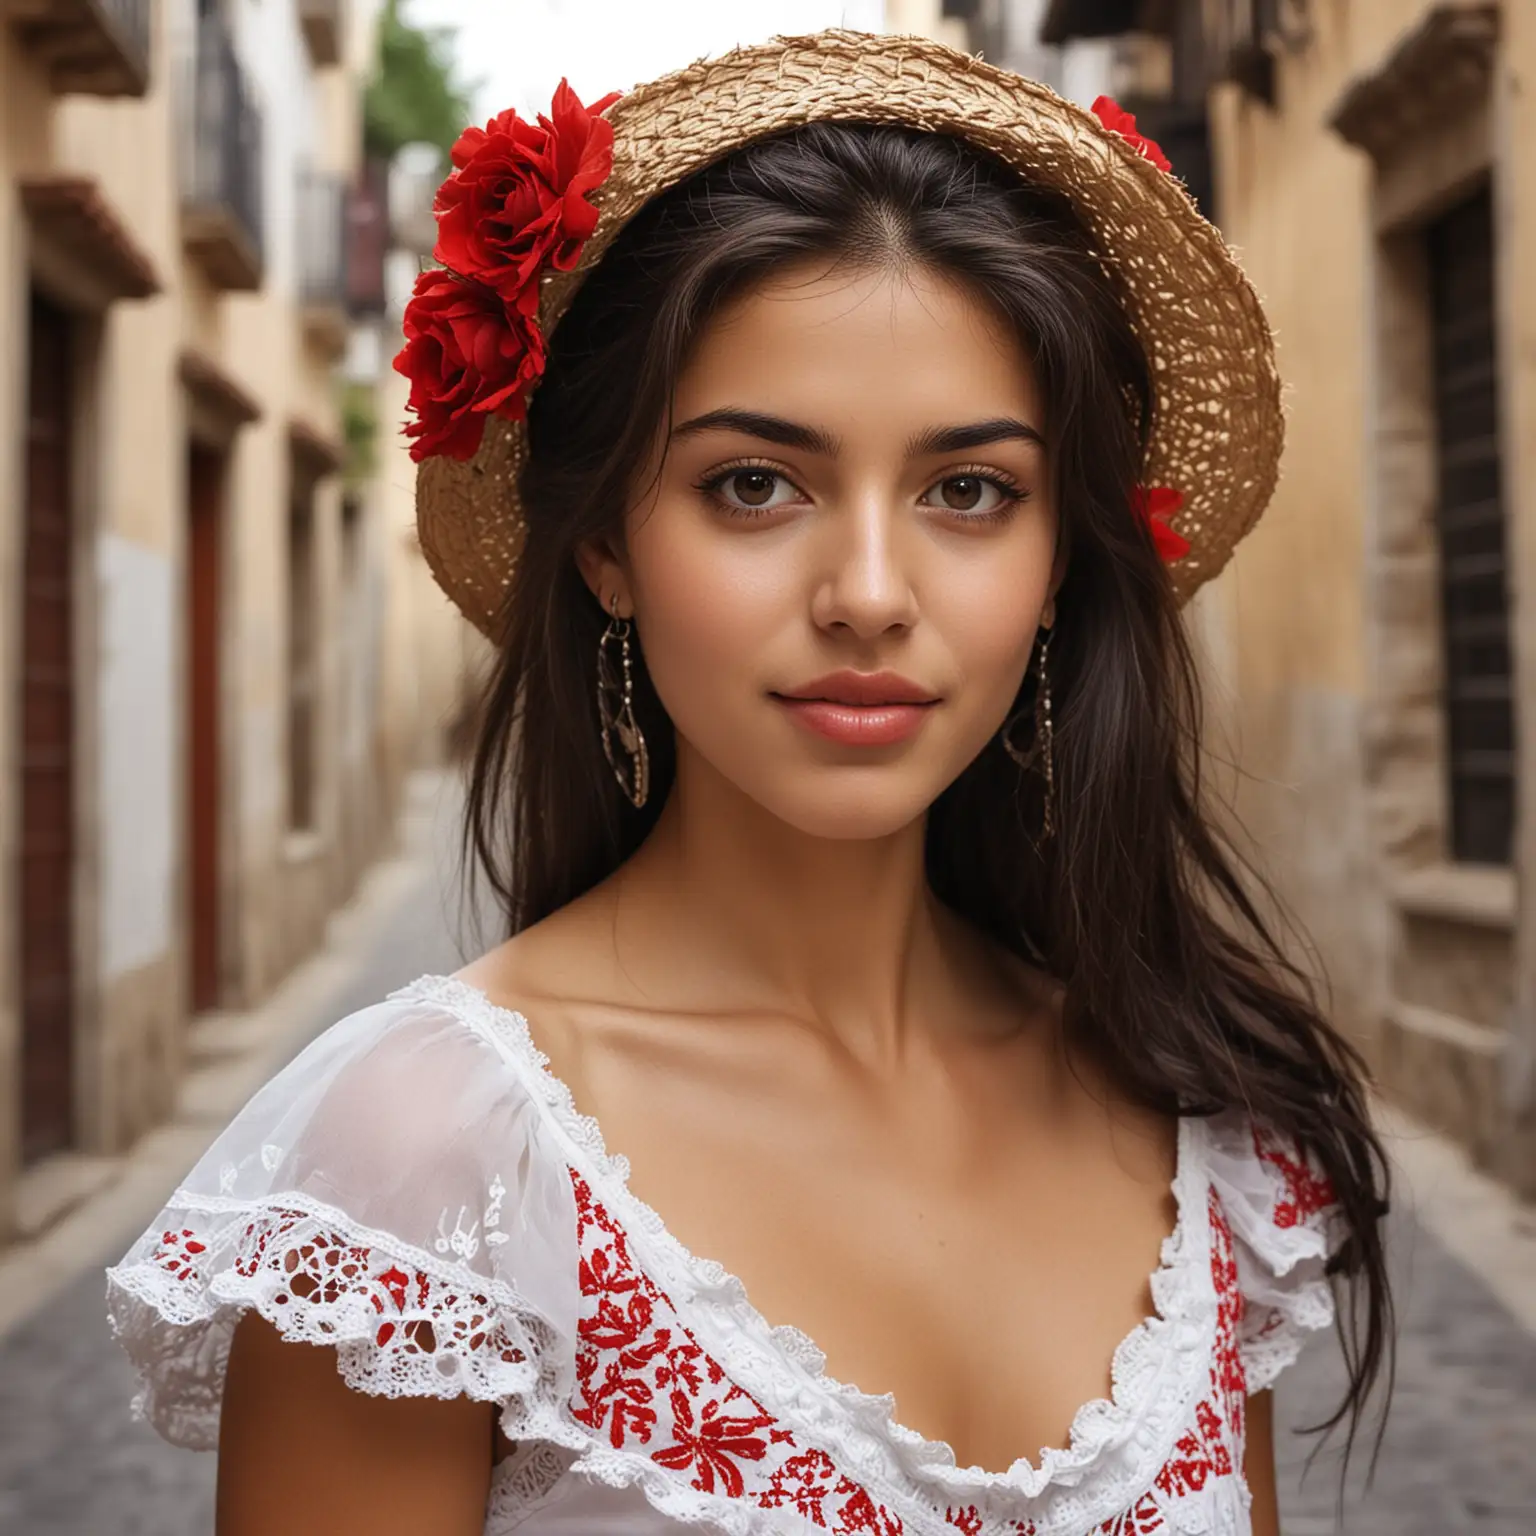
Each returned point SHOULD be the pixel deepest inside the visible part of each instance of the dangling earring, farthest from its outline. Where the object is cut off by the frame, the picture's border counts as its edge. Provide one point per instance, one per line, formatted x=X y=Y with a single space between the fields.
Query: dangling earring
x=1047 y=732
x=616 y=712
x=1041 y=751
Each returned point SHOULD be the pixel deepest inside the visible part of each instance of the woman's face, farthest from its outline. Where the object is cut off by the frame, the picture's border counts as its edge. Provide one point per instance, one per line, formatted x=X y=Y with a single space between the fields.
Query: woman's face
x=838 y=572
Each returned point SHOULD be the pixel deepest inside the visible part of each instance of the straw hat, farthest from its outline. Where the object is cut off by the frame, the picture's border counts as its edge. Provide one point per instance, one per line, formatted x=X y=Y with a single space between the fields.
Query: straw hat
x=1218 y=425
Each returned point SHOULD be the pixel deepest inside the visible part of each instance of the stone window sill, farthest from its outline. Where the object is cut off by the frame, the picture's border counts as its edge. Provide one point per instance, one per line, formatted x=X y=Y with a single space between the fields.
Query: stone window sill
x=1481 y=896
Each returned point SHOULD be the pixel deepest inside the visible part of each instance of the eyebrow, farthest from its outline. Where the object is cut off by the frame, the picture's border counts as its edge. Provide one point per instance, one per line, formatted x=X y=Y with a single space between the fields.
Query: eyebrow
x=794 y=434
x=974 y=434
x=771 y=429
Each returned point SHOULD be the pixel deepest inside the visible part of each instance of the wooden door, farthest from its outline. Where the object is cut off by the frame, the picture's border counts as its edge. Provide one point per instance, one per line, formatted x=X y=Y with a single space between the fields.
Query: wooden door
x=205 y=500
x=46 y=918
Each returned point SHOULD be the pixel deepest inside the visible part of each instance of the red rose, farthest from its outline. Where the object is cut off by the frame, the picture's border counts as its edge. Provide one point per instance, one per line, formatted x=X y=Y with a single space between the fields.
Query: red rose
x=467 y=355
x=1118 y=120
x=517 y=200
x=1154 y=505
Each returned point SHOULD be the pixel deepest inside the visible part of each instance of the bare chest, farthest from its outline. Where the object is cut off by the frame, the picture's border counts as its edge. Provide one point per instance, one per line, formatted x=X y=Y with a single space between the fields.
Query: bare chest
x=978 y=1262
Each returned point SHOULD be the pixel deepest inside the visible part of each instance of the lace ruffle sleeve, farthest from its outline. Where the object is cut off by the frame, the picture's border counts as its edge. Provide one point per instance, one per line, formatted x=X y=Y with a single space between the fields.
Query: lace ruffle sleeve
x=1285 y=1226
x=391 y=1194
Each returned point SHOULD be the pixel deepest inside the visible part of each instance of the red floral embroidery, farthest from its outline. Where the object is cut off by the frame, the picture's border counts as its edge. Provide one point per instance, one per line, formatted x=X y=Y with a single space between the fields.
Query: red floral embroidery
x=1212 y=1445
x=803 y=1483
x=713 y=1446
x=1306 y=1192
x=1143 y=1518
x=1154 y=505
x=970 y=1522
x=175 y=1252
x=1228 y=1378
x=318 y=1269
x=644 y=1381
x=646 y=1385
x=1118 y=120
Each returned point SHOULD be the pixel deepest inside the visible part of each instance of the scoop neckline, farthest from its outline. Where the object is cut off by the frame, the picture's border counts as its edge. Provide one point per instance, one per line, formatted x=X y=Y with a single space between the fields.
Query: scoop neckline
x=1182 y=1317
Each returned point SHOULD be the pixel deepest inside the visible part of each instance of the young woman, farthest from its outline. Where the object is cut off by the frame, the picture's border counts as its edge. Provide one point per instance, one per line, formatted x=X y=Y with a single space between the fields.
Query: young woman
x=828 y=436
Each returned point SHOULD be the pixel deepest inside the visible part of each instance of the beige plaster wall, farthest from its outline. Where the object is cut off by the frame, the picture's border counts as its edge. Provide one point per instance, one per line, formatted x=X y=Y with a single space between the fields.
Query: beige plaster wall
x=1285 y=625
x=131 y=1041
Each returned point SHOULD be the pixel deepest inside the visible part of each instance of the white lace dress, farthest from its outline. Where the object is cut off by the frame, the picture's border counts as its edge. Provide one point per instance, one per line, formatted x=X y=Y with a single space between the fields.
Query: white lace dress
x=417 y=1190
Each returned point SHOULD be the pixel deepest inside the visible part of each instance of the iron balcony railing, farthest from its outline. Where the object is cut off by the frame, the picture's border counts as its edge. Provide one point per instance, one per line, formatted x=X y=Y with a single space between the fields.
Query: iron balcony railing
x=221 y=188
x=343 y=239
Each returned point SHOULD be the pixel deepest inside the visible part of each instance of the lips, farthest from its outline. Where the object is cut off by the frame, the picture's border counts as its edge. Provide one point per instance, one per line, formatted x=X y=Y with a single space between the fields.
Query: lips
x=860 y=709
x=865 y=689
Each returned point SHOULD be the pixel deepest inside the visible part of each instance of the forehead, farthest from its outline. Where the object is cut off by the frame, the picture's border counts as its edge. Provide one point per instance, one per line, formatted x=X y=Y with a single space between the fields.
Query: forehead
x=860 y=349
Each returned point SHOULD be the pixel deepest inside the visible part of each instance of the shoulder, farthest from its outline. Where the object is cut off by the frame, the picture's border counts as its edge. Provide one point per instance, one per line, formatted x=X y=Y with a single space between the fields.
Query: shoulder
x=1279 y=1210
x=416 y=1079
x=398 y=1191
x=566 y=974
x=1272 y=1190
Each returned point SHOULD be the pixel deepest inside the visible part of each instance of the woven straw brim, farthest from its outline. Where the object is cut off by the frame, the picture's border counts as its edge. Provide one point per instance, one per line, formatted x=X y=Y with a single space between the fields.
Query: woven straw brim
x=1218 y=426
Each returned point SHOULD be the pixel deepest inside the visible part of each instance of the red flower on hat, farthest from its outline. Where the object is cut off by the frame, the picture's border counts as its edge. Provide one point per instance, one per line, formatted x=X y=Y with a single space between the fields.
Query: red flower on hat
x=468 y=354
x=1154 y=505
x=514 y=206
x=517 y=201
x=1118 y=120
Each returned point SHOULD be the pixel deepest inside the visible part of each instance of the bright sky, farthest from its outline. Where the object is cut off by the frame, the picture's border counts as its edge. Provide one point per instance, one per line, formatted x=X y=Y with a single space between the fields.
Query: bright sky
x=517 y=50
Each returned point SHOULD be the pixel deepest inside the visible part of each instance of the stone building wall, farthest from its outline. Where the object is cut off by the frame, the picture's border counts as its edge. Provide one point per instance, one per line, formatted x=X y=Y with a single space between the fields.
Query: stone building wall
x=1325 y=639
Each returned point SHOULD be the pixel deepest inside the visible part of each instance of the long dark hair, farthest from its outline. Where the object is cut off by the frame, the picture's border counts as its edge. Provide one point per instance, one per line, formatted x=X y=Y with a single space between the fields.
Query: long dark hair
x=1174 y=982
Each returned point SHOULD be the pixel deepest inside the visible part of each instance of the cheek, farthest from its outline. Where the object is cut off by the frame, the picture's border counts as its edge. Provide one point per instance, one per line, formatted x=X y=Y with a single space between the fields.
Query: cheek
x=712 y=601
x=987 y=611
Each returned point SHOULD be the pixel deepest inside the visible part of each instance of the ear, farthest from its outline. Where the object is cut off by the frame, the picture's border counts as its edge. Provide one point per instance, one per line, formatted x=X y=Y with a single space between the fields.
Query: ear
x=605 y=575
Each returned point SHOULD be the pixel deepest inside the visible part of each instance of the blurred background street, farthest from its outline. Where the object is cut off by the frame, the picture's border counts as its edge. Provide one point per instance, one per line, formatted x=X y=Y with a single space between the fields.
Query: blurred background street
x=234 y=703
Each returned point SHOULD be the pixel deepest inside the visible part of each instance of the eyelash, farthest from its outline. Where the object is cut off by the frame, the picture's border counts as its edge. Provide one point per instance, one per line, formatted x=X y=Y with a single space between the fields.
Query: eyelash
x=712 y=483
x=1006 y=486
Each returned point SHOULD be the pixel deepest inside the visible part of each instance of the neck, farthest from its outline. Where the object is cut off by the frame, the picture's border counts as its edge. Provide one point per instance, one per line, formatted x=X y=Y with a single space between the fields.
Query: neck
x=839 y=932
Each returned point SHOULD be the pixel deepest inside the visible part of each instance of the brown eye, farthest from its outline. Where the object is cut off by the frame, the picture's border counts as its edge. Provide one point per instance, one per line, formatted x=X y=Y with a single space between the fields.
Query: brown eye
x=970 y=493
x=963 y=493
x=754 y=487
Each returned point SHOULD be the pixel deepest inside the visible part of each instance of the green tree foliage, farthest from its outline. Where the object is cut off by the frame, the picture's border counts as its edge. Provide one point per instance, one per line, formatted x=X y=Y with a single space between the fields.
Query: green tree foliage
x=414 y=95
x=360 y=428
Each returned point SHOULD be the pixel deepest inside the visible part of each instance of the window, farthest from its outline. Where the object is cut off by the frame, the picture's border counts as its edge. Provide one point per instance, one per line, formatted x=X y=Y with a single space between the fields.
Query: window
x=1480 y=741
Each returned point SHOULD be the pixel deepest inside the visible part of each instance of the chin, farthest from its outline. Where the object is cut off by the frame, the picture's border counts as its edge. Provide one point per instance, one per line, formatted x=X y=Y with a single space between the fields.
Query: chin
x=849 y=804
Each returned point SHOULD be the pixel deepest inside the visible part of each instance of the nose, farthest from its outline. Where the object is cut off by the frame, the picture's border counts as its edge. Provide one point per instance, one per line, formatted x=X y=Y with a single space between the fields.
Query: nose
x=864 y=587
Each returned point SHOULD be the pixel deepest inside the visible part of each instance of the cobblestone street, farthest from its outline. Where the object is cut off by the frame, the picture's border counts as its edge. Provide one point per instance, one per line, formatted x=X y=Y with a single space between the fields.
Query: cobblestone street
x=1459 y=1454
